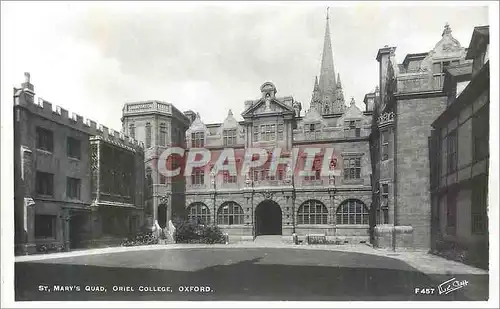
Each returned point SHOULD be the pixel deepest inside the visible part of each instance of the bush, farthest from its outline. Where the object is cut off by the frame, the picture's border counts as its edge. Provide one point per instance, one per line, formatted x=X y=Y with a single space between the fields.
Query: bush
x=46 y=248
x=141 y=239
x=191 y=232
x=475 y=255
x=212 y=235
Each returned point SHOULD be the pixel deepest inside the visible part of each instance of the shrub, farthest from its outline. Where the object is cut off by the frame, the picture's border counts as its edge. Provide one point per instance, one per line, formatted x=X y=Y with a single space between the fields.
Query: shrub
x=475 y=255
x=191 y=232
x=46 y=248
x=186 y=232
x=141 y=239
x=212 y=235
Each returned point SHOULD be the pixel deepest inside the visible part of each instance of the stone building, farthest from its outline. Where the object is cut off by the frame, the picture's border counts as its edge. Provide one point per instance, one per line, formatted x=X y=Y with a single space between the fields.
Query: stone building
x=159 y=126
x=262 y=203
x=459 y=157
x=57 y=203
x=408 y=99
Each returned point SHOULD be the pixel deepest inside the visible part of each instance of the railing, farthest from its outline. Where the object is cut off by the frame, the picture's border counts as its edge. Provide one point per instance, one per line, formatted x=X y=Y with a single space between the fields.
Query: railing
x=316 y=239
x=163 y=107
x=135 y=107
x=269 y=183
x=146 y=106
x=314 y=182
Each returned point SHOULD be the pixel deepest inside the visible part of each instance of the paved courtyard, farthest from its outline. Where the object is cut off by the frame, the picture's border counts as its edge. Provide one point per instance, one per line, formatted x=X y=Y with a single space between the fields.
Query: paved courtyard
x=242 y=272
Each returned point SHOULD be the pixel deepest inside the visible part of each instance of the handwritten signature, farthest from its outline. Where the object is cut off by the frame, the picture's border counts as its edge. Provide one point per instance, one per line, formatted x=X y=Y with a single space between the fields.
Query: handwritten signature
x=451 y=285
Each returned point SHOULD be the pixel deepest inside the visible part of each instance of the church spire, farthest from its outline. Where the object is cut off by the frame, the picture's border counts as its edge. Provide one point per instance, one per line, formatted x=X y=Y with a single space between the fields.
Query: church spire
x=316 y=86
x=327 y=82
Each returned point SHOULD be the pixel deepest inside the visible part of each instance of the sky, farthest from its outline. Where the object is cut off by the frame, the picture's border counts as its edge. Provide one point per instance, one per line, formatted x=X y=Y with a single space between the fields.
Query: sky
x=92 y=57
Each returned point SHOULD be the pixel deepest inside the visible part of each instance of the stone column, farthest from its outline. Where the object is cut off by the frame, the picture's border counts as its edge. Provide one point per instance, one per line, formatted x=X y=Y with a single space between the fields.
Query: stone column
x=28 y=210
x=29 y=225
x=95 y=225
x=66 y=217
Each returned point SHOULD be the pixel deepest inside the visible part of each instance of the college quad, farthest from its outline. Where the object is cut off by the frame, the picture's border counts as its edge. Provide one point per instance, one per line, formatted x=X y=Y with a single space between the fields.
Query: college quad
x=410 y=167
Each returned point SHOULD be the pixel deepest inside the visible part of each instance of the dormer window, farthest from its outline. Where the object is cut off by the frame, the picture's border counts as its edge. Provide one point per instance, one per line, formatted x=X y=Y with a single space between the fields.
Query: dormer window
x=352 y=128
x=311 y=127
x=255 y=133
x=229 y=137
x=268 y=132
x=280 y=131
x=197 y=139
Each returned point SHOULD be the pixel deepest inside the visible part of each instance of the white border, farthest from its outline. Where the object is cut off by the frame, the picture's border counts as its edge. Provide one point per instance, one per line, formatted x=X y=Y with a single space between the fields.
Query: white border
x=7 y=189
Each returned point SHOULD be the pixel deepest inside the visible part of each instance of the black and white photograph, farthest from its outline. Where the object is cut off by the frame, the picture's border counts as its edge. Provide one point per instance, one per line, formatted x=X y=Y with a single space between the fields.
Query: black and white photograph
x=250 y=153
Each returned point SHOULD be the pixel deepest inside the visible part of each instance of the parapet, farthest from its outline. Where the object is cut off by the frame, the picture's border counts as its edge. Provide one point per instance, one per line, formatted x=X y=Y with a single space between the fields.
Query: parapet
x=59 y=115
x=154 y=107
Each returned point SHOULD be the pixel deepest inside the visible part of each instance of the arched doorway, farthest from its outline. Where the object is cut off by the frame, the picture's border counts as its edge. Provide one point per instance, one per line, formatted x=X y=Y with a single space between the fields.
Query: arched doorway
x=162 y=215
x=268 y=218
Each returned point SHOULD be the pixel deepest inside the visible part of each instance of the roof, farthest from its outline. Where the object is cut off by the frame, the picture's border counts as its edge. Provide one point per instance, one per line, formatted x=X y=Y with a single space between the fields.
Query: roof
x=460 y=69
x=416 y=56
x=478 y=84
x=480 y=37
x=384 y=50
x=458 y=72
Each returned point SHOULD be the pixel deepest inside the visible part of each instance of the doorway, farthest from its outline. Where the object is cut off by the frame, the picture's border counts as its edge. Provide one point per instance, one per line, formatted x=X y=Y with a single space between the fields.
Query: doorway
x=77 y=229
x=268 y=218
x=162 y=215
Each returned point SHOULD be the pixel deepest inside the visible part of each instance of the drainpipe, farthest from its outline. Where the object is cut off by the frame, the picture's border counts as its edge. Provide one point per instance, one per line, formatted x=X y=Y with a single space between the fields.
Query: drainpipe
x=395 y=181
x=253 y=214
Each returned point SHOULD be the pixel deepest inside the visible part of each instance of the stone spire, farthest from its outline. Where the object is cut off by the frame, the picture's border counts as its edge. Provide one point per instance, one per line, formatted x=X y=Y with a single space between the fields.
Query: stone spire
x=316 y=96
x=339 y=84
x=327 y=82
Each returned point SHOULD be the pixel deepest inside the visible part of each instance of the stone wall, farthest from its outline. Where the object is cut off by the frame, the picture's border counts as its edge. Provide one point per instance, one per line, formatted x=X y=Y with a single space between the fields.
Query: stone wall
x=414 y=119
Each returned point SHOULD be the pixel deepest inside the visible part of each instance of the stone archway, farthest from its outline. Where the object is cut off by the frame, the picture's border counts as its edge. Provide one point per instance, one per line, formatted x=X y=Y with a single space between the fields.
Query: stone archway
x=268 y=218
x=162 y=215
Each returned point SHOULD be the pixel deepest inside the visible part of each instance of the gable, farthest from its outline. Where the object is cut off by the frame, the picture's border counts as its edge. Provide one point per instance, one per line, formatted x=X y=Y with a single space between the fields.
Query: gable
x=353 y=112
x=266 y=106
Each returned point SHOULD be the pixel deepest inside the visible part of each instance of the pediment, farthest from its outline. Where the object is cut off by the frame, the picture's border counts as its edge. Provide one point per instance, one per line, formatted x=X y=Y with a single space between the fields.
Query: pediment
x=230 y=121
x=447 y=47
x=197 y=125
x=268 y=106
x=353 y=112
x=312 y=116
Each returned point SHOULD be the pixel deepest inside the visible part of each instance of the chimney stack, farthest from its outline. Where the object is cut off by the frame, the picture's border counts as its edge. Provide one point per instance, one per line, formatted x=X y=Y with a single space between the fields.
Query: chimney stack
x=28 y=88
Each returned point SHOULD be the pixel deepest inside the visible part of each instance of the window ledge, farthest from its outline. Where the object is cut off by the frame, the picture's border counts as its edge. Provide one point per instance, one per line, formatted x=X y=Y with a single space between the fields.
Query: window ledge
x=325 y=226
x=44 y=151
x=352 y=226
x=353 y=181
x=74 y=158
x=45 y=196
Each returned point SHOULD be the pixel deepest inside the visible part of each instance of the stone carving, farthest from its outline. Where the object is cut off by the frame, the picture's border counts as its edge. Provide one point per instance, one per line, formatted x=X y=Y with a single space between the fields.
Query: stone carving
x=386 y=118
x=248 y=181
x=268 y=103
x=267 y=194
x=297 y=106
x=288 y=176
